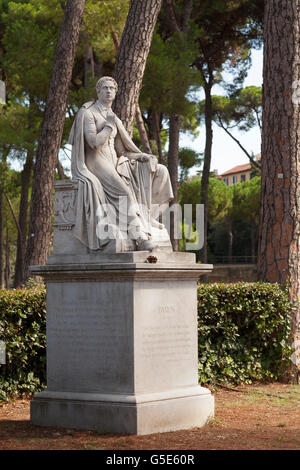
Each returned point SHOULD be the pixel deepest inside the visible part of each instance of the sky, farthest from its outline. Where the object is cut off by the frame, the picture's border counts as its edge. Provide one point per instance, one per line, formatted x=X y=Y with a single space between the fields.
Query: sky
x=226 y=154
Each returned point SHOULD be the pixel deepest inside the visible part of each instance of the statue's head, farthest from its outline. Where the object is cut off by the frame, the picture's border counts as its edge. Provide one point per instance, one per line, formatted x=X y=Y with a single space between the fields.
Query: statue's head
x=106 y=89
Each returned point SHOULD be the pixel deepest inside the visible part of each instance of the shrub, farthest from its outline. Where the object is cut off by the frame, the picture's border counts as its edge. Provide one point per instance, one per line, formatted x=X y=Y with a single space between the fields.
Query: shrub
x=244 y=332
x=23 y=329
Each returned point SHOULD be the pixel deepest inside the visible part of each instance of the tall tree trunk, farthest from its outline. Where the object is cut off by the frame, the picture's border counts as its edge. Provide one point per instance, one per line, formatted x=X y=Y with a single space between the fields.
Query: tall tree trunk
x=154 y=118
x=1 y=242
x=207 y=162
x=7 y=261
x=142 y=130
x=230 y=240
x=60 y=170
x=174 y=129
x=23 y=212
x=138 y=113
x=4 y=154
x=187 y=14
x=89 y=64
x=132 y=56
x=50 y=139
x=253 y=241
x=279 y=233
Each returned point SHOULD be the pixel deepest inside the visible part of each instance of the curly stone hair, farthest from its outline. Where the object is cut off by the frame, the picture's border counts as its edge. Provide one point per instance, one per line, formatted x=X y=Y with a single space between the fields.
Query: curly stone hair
x=104 y=79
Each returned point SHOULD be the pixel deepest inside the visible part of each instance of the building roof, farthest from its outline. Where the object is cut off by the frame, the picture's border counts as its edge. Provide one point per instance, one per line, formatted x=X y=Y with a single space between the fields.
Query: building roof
x=237 y=169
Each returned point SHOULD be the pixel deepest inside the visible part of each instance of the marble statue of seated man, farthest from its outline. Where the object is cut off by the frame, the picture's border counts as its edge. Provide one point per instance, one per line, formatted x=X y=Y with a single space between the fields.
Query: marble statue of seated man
x=120 y=187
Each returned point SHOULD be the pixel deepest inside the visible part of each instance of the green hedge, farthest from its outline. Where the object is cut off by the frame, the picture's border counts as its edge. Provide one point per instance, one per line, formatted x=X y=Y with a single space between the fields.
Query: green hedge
x=23 y=329
x=244 y=332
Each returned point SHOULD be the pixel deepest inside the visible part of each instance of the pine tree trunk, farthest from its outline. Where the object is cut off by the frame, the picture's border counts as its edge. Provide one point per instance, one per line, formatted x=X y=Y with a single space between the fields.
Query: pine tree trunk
x=230 y=241
x=174 y=130
x=157 y=126
x=50 y=139
x=206 y=165
x=1 y=242
x=60 y=170
x=132 y=56
x=7 y=261
x=138 y=113
x=89 y=64
x=154 y=118
x=142 y=130
x=23 y=211
x=253 y=241
x=279 y=235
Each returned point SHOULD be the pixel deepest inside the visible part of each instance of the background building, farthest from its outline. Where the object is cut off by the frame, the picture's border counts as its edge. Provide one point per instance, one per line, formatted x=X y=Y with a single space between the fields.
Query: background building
x=239 y=173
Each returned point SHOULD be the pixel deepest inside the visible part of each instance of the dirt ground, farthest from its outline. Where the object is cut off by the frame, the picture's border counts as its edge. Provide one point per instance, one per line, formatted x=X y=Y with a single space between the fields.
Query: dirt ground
x=265 y=417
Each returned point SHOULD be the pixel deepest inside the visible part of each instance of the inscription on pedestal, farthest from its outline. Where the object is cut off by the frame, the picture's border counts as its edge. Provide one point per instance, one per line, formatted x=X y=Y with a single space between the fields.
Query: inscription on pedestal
x=81 y=334
x=87 y=344
x=173 y=343
x=166 y=338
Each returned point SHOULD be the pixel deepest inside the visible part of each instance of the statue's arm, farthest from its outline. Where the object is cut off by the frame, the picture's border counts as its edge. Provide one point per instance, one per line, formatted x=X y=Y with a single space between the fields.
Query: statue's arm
x=121 y=150
x=123 y=140
x=94 y=139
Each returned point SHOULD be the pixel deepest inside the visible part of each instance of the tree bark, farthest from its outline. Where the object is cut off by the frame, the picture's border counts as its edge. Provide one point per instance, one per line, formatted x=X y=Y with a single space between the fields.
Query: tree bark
x=7 y=261
x=60 y=170
x=138 y=114
x=23 y=211
x=253 y=241
x=50 y=139
x=156 y=129
x=279 y=233
x=142 y=131
x=187 y=14
x=1 y=242
x=132 y=56
x=89 y=64
x=230 y=240
x=173 y=157
x=207 y=162
x=171 y=19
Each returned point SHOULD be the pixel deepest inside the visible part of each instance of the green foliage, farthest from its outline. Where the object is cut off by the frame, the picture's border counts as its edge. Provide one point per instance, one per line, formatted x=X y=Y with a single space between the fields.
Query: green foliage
x=188 y=158
x=242 y=110
x=23 y=329
x=244 y=216
x=102 y=20
x=219 y=197
x=246 y=200
x=244 y=332
x=168 y=76
x=239 y=203
x=31 y=33
x=227 y=30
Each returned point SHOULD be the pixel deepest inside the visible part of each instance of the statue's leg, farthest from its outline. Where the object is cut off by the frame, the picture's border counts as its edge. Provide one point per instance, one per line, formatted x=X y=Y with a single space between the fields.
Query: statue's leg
x=162 y=191
x=121 y=200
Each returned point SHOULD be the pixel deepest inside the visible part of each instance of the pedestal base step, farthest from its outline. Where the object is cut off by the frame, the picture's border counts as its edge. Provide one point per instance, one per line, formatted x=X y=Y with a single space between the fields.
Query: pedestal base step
x=129 y=416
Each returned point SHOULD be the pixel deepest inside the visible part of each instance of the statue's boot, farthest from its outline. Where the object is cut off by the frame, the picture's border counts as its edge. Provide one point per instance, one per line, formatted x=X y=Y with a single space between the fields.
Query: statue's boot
x=145 y=245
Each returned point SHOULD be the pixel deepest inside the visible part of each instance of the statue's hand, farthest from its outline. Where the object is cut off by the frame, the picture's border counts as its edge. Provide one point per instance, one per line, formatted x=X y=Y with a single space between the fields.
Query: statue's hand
x=150 y=159
x=111 y=118
x=143 y=157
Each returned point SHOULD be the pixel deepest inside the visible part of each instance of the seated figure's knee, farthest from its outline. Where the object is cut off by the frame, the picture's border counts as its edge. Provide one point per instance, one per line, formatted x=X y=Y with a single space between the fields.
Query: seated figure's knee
x=162 y=170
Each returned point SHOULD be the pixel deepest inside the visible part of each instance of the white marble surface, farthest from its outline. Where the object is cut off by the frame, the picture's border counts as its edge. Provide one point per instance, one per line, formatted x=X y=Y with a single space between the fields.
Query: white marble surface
x=122 y=346
x=109 y=167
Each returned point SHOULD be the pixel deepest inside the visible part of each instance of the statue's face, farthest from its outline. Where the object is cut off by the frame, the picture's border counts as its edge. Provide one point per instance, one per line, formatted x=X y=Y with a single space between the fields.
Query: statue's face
x=107 y=92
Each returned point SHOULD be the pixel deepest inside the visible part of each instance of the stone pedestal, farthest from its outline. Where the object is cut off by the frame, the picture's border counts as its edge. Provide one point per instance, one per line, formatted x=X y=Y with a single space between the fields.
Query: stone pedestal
x=122 y=344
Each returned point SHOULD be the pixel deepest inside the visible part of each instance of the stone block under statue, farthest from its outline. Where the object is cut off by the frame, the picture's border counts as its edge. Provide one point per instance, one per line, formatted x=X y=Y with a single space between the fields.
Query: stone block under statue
x=122 y=352
x=66 y=245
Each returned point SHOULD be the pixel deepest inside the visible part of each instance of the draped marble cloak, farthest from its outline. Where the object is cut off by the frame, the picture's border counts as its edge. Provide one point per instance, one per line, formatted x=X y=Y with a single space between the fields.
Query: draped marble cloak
x=96 y=202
